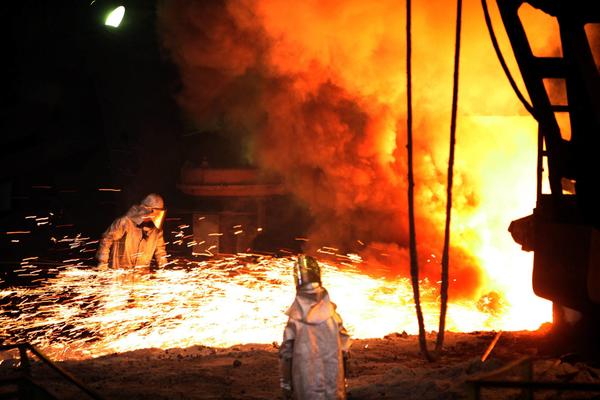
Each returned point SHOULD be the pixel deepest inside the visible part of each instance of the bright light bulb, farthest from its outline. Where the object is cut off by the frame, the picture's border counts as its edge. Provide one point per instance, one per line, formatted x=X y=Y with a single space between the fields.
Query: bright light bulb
x=115 y=17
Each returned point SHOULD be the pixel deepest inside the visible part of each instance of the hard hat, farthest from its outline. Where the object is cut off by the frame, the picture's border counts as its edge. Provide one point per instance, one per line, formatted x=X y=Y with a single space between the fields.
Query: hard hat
x=306 y=270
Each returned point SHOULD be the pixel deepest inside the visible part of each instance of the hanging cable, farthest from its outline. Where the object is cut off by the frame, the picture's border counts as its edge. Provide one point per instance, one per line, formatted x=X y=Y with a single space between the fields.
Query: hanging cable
x=513 y=84
x=445 y=254
x=414 y=264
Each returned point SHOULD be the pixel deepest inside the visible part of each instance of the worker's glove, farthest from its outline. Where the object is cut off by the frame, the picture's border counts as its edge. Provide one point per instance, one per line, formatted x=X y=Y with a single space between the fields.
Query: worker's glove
x=345 y=358
x=286 y=390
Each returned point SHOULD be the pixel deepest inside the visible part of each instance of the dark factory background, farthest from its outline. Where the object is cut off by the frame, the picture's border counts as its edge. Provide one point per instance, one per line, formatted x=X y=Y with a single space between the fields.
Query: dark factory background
x=90 y=124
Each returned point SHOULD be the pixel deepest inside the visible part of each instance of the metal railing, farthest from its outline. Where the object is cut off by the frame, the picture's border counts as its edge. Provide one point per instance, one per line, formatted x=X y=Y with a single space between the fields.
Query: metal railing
x=519 y=375
x=25 y=370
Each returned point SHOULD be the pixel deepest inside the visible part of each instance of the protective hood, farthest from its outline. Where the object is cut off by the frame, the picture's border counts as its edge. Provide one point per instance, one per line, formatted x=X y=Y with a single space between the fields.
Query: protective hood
x=156 y=208
x=151 y=209
x=306 y=270
x=311 y=305
x=154 y=201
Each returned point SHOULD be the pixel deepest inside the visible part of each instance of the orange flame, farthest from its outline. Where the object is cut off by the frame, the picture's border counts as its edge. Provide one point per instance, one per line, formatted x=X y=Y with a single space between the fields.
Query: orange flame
x=315 y=91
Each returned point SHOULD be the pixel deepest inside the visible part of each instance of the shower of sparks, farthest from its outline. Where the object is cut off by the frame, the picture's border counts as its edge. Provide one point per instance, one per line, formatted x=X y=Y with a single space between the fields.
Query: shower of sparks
x=81 y=312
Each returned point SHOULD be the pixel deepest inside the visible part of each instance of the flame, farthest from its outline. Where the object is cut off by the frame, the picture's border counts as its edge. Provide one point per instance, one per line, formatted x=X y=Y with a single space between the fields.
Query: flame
x=82 y=313
x=315 y=91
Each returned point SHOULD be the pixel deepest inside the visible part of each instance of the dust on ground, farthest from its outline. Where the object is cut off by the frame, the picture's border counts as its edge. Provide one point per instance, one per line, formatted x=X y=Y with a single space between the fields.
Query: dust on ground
x=387 y=368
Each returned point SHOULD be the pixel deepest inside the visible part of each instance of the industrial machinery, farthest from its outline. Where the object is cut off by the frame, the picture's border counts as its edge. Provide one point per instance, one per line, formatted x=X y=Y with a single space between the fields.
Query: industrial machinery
x=563 y=231
x=235 y=206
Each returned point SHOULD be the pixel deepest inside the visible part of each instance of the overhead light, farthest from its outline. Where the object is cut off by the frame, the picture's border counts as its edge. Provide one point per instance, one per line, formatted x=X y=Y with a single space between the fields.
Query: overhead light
x=115 y=17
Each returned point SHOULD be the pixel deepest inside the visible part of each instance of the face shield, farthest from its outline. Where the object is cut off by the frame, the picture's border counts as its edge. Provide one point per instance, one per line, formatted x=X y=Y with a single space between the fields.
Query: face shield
x=306 y=270
x=157 y=215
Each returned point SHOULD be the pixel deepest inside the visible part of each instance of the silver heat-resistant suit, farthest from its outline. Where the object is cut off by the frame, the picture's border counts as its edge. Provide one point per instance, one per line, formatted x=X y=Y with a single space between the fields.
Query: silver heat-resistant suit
x=133 y=239
x=314 y=343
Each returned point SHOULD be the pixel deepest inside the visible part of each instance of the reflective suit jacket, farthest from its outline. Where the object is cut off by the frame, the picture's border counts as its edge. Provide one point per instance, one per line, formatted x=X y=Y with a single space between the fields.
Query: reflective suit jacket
x=128 y=242
x=314 y=339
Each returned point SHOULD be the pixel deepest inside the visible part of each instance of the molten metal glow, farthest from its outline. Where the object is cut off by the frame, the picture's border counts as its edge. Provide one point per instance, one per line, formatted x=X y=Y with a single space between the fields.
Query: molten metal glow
x=82 y=313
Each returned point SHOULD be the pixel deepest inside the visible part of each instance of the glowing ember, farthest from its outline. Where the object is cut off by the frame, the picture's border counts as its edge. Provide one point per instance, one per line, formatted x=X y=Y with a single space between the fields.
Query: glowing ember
x=84 y=313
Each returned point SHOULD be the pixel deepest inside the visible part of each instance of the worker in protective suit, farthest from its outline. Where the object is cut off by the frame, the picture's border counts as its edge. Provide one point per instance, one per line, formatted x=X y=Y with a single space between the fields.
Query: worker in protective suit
x=315 y=344
x=132 y=240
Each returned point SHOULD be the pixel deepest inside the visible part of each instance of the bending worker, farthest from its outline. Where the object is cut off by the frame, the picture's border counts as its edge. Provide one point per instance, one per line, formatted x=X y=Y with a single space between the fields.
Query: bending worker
x=133 y=239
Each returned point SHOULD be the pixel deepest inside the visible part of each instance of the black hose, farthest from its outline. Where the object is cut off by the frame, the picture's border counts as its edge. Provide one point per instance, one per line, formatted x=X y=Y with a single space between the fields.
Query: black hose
x=414 y=264
x=445 y=255
x=513 y=84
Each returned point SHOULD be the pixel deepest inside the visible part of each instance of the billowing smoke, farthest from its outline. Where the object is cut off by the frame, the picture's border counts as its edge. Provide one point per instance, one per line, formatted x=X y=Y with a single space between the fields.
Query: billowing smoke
x=315 y=92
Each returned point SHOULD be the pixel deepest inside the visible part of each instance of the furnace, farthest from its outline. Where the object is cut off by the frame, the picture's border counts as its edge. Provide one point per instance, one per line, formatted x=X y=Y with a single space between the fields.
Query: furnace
x=232 y=206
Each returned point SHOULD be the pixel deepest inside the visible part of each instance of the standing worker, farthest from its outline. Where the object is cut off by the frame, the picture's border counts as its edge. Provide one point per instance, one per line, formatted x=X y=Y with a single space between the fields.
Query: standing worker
x=132 y=240
x=315 y=344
